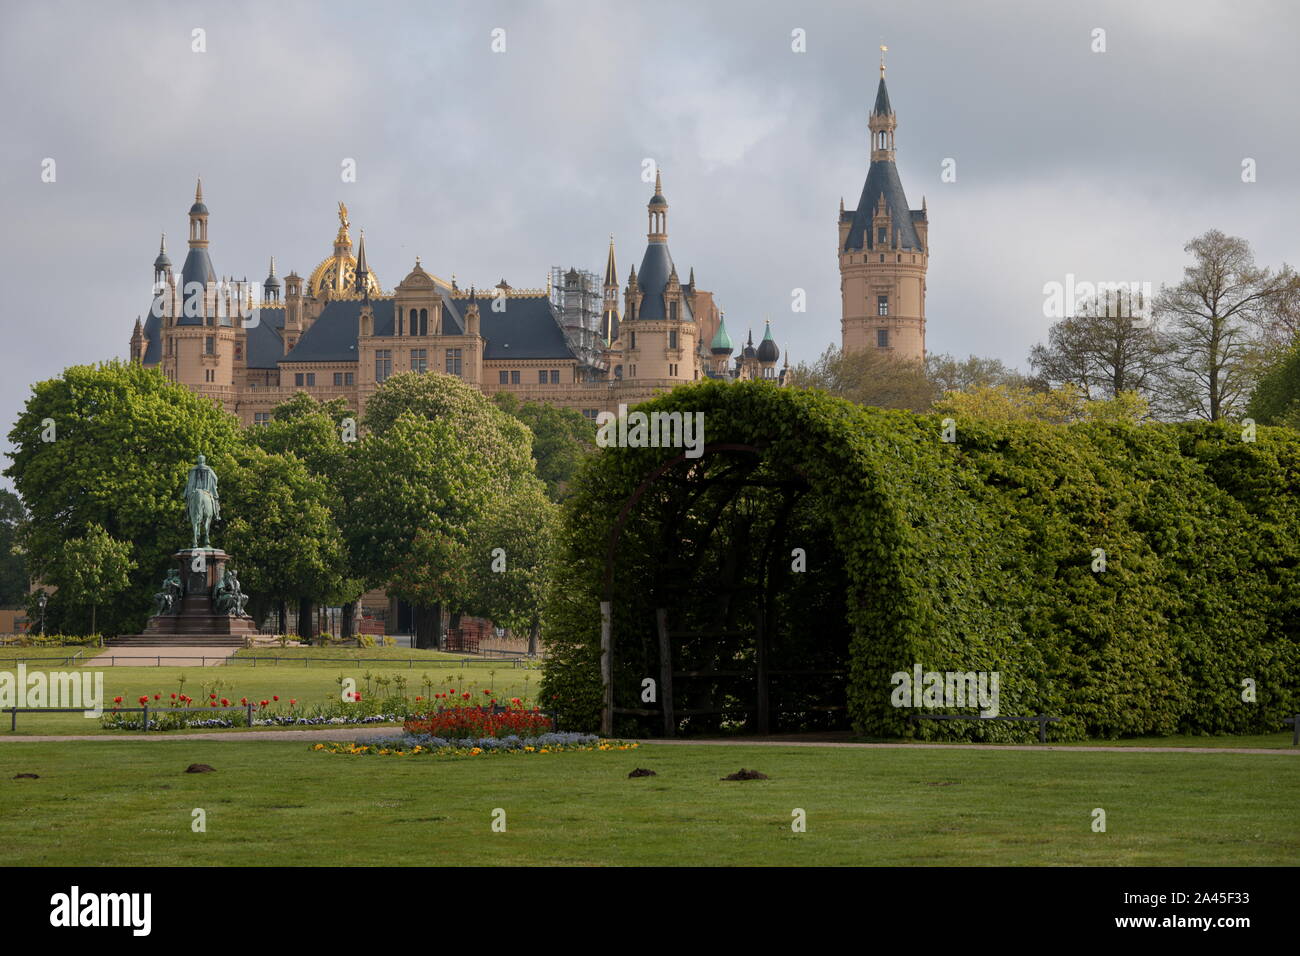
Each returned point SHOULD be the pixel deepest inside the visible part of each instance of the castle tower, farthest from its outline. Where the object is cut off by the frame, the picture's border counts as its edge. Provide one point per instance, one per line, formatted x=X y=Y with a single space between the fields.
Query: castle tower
x=883 y=251
x=271 y=287
x=721 y=348
x=658 y=330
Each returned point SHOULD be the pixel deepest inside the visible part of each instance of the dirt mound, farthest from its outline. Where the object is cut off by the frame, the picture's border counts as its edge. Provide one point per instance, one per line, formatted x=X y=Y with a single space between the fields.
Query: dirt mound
x=200 y=768
x=27 y=776
x=642 y=772
x=743 y=774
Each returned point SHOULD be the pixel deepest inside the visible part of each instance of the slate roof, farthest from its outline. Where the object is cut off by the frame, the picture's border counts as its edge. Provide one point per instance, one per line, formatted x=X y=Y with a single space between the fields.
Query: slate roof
x=652 y=277
x=882 y=180
x=197 y=268
x=527 y=329
x=265 y=340
x=882 y=106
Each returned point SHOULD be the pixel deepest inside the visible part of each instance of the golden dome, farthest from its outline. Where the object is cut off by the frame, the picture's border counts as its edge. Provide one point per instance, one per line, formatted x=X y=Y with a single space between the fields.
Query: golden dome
x=336 y=276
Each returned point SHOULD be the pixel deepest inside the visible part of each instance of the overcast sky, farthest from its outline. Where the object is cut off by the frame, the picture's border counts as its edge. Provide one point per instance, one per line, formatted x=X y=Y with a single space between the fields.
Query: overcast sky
x=492 y=165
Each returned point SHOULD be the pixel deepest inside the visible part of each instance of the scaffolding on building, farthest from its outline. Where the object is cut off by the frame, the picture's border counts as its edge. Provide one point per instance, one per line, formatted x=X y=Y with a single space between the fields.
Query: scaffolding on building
x=578 y=297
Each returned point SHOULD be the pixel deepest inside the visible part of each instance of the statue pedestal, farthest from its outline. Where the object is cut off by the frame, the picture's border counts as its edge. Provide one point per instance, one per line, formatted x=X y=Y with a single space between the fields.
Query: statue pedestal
x=194 y=620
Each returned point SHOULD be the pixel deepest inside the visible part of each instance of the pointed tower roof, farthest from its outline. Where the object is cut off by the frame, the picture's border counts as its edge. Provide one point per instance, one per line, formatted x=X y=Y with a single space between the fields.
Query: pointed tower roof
x=162 y=262
x=271 y=281
x=767 y=350
x=198 y=209
x=882 y=107
x=721 y=344
x=362 y=270
x=611 y=270
x=748 y=350
x=658 y=198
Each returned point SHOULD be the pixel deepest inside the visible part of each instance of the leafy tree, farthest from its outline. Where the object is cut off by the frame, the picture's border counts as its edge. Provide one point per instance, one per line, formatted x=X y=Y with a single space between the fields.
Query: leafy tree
x=949 y=374
x=92 y=569
x=314 y=433
x=123 y=438
x=510 y=560
x=13 y=560
x=1056 y=406
x=412 y=494
x=281 y=533
x=1276 y=398
x=867 y=377
x=562 y=439
x=1216 y=320
x=486 y=430
x=1104 y=350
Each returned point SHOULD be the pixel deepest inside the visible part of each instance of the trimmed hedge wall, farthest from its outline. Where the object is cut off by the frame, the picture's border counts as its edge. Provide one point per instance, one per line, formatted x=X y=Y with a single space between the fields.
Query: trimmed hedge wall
x=977 y=555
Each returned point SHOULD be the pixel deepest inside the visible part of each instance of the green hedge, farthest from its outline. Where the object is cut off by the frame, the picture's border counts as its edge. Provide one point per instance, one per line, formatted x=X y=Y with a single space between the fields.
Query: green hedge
x=977 y=555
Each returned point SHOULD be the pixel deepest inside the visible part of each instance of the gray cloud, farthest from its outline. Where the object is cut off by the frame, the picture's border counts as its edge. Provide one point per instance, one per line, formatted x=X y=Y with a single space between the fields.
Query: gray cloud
x=490 y=165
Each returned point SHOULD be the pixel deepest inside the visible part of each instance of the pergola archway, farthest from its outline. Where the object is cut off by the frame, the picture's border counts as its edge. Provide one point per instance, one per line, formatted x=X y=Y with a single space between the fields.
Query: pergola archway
x=739 y=617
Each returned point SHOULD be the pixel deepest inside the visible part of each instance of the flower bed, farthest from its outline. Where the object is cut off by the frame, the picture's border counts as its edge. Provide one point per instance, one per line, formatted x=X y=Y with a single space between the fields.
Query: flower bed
x=458 y=715
x=462 y=721
x=419 y=744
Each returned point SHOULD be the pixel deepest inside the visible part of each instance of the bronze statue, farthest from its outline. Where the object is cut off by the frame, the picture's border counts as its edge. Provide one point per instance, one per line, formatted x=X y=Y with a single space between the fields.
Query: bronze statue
x=227 y=598
x=201 y=500
x=167 y=601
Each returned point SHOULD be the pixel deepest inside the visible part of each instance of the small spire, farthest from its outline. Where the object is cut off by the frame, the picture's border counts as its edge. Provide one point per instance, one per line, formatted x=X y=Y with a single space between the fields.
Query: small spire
x=198 y=190
x=362 y=270
x=659 y=183
x=841 y=205
x=691 y=283
x=271 y=274
x=611 y=270
x=883 y=50
x=162 y=245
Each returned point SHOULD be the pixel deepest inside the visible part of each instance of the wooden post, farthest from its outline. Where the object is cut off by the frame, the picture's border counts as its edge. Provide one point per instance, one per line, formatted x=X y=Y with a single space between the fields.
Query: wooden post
x=1042 y=729
x=666 y=673
x=1295 y=733
x=764 y=710
x=146 y=718
x=606 y=671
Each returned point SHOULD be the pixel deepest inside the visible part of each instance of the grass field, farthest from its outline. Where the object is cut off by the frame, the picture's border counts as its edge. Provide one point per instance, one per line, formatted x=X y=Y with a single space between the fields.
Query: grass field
x=272 y=802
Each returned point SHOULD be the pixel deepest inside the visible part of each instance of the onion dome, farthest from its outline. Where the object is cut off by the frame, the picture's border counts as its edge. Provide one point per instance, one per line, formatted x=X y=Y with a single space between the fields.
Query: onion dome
x=721 y=344
x=768 y=353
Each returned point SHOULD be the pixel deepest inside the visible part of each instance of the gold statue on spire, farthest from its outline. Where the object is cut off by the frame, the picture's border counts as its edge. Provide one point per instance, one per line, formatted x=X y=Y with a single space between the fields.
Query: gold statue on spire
x=883 y=50
x=343 y=214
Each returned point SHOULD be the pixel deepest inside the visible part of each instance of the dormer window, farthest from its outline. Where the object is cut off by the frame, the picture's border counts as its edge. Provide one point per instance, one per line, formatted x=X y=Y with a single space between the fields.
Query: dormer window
x=882 y=234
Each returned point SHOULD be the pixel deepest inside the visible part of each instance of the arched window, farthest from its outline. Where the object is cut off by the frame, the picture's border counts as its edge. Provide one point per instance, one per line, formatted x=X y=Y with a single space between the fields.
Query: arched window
x=424 y=322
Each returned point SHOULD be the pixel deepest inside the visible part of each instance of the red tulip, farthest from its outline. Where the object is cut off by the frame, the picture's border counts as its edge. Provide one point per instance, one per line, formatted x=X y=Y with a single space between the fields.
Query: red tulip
x=224 y=702
x=244 y=701
x=117 y=700
x=275 y=696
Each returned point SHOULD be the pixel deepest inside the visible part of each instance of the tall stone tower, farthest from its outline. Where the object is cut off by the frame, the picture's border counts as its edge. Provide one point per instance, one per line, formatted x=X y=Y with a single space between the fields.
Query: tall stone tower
x=884 y=252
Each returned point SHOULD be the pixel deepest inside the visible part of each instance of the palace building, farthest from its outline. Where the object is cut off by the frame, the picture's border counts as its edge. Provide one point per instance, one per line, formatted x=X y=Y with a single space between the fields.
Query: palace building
x=577 y=343
x=884 y=252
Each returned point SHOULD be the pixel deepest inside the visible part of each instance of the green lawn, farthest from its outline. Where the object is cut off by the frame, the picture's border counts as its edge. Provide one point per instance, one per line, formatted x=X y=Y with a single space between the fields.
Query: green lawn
x=308 y=685
x=119 y=803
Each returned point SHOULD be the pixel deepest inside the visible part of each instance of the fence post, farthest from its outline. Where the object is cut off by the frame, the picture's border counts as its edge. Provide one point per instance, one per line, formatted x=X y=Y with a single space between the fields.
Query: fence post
x=13 y=715
x=606 y=669
x=1295 y=732
x=146 y=718
x=1042 y=729
x=250 y=713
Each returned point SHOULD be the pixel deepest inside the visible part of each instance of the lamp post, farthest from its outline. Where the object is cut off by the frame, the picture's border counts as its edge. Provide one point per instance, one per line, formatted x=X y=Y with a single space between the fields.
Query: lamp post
x=41 y=601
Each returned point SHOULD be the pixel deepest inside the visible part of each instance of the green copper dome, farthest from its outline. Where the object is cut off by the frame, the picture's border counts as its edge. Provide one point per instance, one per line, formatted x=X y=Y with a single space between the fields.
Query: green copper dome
x=721 y=344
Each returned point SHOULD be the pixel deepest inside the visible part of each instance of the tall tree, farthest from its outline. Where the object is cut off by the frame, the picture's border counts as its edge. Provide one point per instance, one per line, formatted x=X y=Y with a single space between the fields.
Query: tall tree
x=412 y=496
x=868 y=377
x=1106 y=349
x=562 y=439
x=1215 y=320
x=13 y=559
x=91 y=570
x=949 y=374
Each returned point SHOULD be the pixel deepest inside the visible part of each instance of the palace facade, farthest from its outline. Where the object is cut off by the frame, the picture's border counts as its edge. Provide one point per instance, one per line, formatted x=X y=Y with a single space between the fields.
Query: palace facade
x=337 y=333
